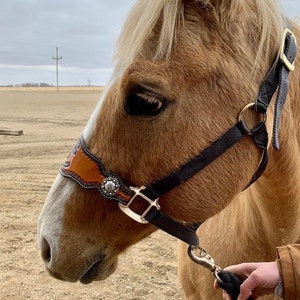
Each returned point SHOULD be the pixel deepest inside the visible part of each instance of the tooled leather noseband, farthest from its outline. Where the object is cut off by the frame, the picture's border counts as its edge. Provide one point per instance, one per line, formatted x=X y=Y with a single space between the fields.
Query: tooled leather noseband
x=88 y=171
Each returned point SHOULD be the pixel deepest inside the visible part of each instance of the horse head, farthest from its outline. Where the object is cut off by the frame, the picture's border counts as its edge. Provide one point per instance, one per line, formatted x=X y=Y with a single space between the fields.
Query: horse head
x=184 y=72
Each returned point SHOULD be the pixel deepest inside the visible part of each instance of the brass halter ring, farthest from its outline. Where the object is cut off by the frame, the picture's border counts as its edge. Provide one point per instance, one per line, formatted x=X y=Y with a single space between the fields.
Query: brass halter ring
x=243 y=111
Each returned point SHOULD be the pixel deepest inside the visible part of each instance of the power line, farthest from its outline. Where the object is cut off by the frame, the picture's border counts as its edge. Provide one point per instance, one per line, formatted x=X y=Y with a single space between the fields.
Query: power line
x=57 y=58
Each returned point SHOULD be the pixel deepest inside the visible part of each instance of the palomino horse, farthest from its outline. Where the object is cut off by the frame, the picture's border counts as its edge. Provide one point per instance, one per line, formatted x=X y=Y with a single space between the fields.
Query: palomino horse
x=184 y=120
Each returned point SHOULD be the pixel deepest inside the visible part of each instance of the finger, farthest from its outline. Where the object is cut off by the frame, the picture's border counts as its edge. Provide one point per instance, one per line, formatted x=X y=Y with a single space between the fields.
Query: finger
x=243 y=267
x=216 y=285
x=242 y=270
x=247 y=287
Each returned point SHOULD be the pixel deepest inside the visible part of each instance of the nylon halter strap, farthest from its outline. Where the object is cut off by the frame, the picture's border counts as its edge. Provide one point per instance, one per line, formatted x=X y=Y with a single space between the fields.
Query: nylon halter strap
x=88 y=171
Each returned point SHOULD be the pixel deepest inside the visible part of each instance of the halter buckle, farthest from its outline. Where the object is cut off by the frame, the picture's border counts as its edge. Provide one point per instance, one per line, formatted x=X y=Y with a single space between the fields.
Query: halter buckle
x=140 y=218
x=289 y=65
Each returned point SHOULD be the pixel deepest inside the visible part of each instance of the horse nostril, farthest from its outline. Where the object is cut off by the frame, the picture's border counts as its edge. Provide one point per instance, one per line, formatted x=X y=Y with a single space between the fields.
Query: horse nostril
x=45 y=250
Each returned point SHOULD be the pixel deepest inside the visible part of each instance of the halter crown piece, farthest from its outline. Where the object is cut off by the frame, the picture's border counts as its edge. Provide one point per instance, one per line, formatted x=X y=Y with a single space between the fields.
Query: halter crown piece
x=88 y=171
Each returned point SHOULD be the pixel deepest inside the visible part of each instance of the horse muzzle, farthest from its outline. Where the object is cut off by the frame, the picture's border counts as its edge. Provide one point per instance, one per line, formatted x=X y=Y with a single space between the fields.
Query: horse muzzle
x=82 y=267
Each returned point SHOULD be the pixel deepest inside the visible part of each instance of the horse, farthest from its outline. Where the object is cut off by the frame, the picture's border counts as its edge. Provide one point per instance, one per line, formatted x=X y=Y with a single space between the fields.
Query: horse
x=188 y=75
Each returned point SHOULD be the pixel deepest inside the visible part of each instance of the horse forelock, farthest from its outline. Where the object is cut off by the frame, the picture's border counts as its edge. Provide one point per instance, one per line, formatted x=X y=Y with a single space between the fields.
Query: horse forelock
x=262 y=21
x=140 y=23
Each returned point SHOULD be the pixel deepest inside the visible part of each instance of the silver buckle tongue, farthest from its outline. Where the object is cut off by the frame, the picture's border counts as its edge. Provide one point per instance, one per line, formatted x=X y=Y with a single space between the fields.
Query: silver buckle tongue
x=200 y=256
x=140 y=218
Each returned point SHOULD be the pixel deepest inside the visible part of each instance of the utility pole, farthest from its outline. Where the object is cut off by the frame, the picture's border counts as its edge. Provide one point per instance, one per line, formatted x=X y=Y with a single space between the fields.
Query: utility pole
x=57 y=58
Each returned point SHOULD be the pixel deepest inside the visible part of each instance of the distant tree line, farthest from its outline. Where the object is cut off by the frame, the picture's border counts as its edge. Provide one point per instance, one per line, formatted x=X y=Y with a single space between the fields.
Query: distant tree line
x=34 y=84
x=28 y=84
x=38 y=84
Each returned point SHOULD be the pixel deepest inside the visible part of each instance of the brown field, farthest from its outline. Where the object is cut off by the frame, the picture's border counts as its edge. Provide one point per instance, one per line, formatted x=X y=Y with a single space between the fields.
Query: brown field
x=51 y=123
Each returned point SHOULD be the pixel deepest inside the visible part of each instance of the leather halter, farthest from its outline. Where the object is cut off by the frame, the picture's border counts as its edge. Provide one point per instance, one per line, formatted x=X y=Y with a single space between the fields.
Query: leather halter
x=88 y=171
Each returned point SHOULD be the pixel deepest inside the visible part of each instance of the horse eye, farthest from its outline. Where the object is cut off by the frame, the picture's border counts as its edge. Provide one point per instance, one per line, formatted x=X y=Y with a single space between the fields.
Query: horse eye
x=144 y=103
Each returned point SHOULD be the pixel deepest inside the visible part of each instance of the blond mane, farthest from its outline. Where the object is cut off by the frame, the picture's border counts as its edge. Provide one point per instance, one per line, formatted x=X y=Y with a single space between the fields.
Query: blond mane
x=232 y=16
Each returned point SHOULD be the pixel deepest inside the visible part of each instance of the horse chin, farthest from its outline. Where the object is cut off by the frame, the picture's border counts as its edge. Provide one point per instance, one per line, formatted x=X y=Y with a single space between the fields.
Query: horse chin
x=99 y=270
x=92 y=271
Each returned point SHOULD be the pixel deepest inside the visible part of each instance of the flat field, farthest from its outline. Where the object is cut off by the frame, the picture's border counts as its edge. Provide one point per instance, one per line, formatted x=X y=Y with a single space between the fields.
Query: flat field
x=51 y=123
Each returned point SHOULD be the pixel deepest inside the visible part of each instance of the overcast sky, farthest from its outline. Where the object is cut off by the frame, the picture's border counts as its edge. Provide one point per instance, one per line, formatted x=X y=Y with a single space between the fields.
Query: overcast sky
x=84 y=31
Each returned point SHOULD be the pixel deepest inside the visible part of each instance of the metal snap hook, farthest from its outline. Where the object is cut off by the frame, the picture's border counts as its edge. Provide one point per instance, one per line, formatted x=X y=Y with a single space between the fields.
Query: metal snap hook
x=200 y=256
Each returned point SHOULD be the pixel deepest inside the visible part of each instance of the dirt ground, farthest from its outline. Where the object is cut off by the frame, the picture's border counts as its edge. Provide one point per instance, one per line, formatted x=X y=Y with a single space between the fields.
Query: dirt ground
x=51 y=123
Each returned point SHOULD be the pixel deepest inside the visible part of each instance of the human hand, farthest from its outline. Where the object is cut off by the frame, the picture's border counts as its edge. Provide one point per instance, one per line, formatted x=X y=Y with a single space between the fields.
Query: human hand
x=258 y=279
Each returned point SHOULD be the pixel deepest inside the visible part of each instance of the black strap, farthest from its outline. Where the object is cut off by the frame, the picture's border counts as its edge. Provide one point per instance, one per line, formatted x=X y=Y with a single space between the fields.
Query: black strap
x=290 y=53
x=267 y=89
x=199 y=162
x=260 y=137
x=277 y=78
x=184 y=233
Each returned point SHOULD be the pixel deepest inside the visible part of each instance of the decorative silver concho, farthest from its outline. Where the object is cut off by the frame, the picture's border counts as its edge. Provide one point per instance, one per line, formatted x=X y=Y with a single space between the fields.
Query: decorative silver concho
x=110 y=186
